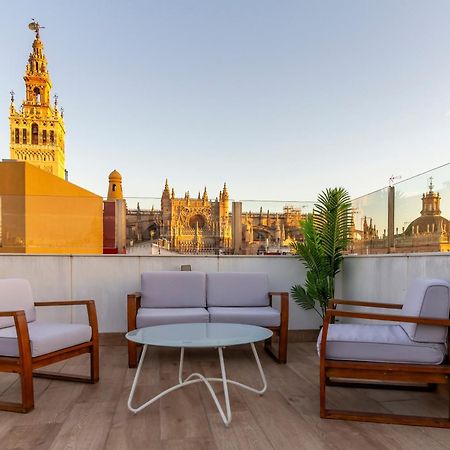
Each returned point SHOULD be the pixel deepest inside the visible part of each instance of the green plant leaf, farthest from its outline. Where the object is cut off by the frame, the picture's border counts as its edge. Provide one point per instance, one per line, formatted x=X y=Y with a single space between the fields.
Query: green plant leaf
x=326 y=234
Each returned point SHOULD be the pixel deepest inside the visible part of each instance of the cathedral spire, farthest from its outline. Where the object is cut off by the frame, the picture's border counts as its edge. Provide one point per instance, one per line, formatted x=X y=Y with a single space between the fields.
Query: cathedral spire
x=166 y=191
x=37 y=129
x=225 y=192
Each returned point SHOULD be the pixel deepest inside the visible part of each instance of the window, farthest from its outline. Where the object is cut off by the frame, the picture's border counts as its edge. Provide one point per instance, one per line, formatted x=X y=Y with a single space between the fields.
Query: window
x=44 y=136
x=37 y=93
x=114 y=187
x=34 y=134
x=24 y=136
x=17 y=136
x=52 y=137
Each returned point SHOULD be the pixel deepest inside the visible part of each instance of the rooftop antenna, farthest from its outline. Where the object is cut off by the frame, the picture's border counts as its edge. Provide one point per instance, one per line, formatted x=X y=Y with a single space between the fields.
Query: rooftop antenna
x=393 y=178
x=34 y=26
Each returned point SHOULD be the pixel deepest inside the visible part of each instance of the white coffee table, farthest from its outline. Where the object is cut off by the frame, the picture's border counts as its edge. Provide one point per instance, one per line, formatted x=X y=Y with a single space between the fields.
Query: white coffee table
x=199 y=335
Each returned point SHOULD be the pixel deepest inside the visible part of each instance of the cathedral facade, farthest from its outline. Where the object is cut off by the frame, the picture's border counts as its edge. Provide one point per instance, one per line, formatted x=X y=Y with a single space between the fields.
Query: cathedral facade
x=37 y=127
x=201 y=225
x=195 y=224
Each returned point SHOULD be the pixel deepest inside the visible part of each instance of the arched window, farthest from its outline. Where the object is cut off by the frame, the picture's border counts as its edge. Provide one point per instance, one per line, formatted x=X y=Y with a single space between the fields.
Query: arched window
x=113 y=187
x=34 y=134
x=24 y=136
x=44 y=136
x=52 y=137
x=37 y=93
x=17 y=136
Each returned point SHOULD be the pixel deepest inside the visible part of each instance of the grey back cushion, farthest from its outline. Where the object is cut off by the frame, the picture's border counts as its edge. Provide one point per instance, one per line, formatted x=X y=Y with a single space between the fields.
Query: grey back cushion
x=427 y=298
x=15 y=295
x=173 y=289
x=237 y=289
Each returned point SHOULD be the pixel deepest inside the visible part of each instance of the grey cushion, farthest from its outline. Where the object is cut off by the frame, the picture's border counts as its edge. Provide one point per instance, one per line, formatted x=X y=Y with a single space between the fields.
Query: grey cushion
x=15 y=294
x=378 y=343
x=45 y=337
x=147 y=317
x=264 y=316
x=237 y=289
x=173 y=289
x=427 y=298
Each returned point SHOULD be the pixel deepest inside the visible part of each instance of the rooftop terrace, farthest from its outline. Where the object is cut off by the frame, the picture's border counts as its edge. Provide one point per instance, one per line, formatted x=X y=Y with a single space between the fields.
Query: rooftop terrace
x=74 y=415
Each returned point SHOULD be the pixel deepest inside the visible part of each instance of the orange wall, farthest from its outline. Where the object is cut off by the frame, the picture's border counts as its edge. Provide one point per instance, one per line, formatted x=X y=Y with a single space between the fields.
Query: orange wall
x=56 y=216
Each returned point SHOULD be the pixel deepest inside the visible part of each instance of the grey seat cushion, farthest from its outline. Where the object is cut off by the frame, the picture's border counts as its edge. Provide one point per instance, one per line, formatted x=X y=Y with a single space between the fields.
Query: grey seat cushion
x=15 y=294
x=237 y=289
x=45 y=337
x=170 y=289
x=147 y=317
x=264 y=316
x=378 y=343
x=427 y=298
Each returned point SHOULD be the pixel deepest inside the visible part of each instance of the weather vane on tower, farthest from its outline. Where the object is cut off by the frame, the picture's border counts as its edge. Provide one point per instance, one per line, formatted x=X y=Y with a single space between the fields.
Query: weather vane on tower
x=34 y=26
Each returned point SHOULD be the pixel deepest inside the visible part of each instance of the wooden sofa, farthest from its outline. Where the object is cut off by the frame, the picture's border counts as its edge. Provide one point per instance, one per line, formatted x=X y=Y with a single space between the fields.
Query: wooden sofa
x=190 y=297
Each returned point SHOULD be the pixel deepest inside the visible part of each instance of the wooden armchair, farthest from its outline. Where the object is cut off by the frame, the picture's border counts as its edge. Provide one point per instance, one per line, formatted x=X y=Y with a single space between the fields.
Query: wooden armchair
x=418 y=358
x=27 y=344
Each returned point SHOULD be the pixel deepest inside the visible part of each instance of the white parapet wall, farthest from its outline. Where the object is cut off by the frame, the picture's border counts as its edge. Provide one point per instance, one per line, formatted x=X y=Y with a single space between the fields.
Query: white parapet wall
x=385 y=278
x=109 y=278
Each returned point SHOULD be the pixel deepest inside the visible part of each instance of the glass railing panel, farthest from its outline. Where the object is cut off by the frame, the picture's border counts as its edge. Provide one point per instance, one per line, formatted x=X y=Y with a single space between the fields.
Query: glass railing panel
x=370 y=223
x=422 y=211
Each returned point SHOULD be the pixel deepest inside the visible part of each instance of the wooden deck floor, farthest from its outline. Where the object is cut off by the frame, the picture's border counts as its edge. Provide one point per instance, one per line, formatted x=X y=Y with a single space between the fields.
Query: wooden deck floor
x=79 y=416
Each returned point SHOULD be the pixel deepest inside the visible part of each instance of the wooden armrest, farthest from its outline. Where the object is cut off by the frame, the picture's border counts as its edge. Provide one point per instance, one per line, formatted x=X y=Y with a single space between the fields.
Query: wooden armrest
x=284 y=297
x=23 y=337
x=133 y=304
x=11 y=313
x=388 y=317
x=91 y=312
x=64 y=303
x=335 y=301
x=277 y=293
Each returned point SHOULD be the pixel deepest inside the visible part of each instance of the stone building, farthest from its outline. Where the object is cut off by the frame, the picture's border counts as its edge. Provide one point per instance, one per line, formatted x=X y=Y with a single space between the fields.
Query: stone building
x=37 y=128
x=270 y=232
x=114 y=216
x=200 y=225
x=195 y=224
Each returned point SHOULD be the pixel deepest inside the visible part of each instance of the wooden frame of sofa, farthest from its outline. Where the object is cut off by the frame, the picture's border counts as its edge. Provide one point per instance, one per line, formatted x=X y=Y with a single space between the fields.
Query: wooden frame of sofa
x=25 y=363
x=134 y=303
x=387 y=373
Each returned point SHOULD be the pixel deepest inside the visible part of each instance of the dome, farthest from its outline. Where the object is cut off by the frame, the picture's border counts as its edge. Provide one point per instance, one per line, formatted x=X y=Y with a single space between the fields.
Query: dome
x=114 y=175
x=427 y=224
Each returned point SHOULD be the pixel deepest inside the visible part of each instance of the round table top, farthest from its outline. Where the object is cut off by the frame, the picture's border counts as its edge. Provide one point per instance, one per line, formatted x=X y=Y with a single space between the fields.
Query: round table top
x=198 y=335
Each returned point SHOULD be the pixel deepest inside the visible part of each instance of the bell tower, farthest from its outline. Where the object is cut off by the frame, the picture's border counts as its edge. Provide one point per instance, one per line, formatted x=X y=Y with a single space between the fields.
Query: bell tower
x=37 y=128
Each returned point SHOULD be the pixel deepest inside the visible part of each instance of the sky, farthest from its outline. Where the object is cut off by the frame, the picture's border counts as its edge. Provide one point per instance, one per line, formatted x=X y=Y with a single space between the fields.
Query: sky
x=280 y=100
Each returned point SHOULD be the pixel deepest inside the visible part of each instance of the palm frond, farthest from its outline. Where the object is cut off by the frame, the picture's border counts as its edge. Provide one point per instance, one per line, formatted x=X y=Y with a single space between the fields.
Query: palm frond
x=326 y=236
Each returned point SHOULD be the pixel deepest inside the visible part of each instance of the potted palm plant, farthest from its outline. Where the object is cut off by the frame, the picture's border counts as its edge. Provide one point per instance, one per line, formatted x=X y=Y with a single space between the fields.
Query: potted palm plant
x=326 y=235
